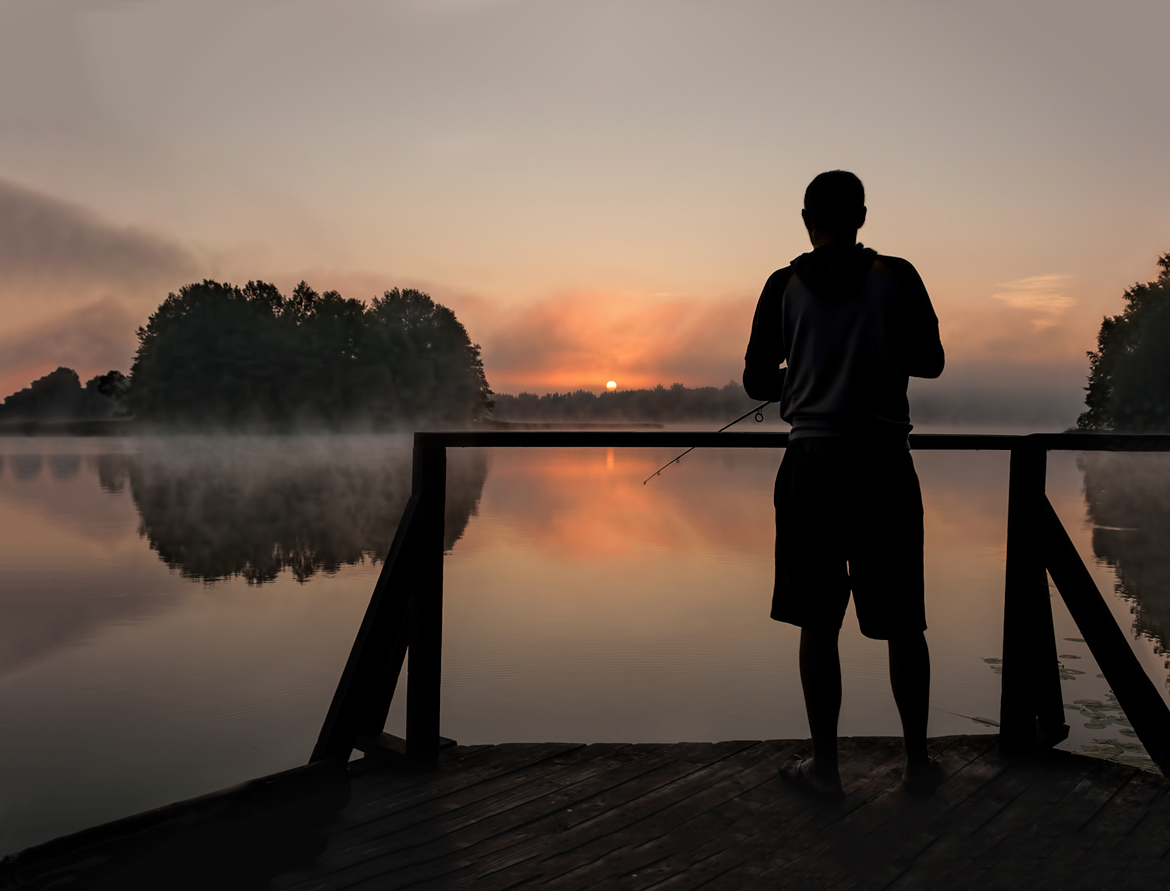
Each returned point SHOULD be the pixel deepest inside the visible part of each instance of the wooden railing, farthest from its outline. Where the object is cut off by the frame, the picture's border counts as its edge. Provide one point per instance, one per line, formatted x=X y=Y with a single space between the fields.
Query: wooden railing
x=406 y=608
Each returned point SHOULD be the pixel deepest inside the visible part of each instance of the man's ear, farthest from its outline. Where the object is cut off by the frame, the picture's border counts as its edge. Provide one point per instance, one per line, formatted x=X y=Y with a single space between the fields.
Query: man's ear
x=861 y=218
x=804 y=216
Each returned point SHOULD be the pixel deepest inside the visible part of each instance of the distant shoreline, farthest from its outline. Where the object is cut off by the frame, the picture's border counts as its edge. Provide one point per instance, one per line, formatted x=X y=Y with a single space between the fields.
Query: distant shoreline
x=128 y=427
x=68 y=428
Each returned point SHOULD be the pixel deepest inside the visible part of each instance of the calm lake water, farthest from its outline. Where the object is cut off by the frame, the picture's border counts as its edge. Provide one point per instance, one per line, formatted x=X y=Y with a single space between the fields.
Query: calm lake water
x=175 y=613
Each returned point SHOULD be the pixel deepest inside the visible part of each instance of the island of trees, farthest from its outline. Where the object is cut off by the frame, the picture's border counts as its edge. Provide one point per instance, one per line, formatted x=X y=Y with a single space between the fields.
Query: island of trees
x=215 y=355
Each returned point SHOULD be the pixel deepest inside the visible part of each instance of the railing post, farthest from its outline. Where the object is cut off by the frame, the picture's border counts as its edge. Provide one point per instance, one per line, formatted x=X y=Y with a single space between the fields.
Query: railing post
x=1031 y=700
x=425 y=645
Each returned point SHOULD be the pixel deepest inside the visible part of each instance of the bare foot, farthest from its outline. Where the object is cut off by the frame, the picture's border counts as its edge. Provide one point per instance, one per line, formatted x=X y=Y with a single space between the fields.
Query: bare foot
x=803 y=775
x=922 y=776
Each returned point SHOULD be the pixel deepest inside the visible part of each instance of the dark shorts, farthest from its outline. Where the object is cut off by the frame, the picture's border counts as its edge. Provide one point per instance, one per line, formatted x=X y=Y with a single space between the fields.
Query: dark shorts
x=849 y=518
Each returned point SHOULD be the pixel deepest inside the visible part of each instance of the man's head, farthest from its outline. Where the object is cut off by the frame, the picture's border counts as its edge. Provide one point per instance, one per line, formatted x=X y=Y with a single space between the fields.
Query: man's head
x=834 y=208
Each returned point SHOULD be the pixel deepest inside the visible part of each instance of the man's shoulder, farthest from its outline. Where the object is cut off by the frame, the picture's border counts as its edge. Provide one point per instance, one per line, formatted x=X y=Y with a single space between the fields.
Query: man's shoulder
x=896 y=266
x=778 y=280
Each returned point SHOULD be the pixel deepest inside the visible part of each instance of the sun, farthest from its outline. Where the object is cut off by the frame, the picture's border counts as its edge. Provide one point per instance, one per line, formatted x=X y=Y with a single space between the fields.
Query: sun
x=611 y=385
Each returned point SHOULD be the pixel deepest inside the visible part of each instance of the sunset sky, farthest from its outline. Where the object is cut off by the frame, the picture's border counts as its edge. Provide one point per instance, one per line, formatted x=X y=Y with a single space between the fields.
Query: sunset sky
x=598 y=189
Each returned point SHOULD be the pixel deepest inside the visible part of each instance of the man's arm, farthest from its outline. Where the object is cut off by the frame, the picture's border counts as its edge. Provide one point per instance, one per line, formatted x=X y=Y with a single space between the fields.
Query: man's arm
x=763 y=378
x=918 y=350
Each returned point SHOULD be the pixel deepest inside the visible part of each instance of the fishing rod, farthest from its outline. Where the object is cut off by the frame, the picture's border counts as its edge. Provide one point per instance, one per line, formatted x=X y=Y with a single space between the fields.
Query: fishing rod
x=758 y=411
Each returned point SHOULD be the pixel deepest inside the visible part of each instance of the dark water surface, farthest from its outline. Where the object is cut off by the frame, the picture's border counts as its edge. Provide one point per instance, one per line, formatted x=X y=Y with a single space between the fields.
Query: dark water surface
x=175 y=613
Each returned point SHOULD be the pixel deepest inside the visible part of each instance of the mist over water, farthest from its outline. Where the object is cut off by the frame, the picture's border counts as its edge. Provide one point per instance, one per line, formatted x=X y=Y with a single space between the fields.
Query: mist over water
x=1128 y=500
x=189 y=603
x=252 y=507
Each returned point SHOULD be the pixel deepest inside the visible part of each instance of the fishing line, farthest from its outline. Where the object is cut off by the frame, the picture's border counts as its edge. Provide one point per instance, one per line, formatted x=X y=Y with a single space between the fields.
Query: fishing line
x=758 y=411
x=986 y=722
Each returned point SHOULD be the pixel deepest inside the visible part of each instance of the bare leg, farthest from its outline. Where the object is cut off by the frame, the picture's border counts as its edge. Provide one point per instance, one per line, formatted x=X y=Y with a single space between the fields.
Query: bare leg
x=910 y=679
x=820 y=676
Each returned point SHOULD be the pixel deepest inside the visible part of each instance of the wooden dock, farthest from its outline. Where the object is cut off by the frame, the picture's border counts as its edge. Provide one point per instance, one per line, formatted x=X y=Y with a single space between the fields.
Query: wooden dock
x=678 y=816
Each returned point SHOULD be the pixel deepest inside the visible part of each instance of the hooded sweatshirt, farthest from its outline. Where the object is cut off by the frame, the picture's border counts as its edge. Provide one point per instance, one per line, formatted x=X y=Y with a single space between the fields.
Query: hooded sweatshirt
x=853 y=326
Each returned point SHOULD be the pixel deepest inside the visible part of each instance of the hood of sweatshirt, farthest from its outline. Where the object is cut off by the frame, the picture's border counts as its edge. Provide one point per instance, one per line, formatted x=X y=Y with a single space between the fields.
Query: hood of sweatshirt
x=835 y=271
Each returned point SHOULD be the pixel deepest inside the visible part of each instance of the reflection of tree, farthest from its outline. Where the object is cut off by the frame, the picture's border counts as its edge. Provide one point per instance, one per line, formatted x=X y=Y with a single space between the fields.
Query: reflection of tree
x=254 y=507
x=1128 y=497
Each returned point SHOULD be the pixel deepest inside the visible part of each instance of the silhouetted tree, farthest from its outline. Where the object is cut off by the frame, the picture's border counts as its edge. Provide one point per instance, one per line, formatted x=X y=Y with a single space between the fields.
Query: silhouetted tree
x=219 y=355
x=59 y=396
x=1129 y=374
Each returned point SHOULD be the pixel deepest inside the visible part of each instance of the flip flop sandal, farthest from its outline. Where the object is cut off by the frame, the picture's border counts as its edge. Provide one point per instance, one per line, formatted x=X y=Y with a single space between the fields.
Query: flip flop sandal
x=791 y=773
x=923 y=784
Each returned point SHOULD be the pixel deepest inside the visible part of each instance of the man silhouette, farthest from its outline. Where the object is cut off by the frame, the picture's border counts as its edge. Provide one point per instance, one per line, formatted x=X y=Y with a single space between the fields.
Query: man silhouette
x=852 y=327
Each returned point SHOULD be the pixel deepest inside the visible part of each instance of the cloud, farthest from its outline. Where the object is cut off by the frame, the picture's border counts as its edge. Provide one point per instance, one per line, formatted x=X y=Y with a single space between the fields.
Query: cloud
x=48 y=243
x=1038 y=293
x=582 y=340
x=92 y=339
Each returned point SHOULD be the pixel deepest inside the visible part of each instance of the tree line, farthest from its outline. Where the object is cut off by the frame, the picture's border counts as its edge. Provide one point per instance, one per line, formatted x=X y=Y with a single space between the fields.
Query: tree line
x=217 y=355
x=662 y=404
x=59 y=396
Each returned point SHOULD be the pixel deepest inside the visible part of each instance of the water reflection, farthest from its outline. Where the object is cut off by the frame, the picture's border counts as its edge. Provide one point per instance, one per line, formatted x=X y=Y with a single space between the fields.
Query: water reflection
x=218 y=508
x=1128 y=499
x=27 y=467
x=581 y=604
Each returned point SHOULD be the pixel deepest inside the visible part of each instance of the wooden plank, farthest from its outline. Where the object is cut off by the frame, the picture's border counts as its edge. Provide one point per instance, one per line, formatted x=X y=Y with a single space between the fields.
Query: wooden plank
x=1145 y=848
x=947 y=856
x=1016 y=841
x=1039 y=857
x=1080 y=442
x=790 y=851
x=424 y=670
x=660 y=857
x=379 y=777
x=610 y=812
x=508 y=765
x=384 y=846
x=877 y=769
x=253 y=830
x=402 y=793
x=392 y=749
x=365 y=772
x=504 y=843
x=1060 y=832
x=370 y=668
x=880 y=838
x=1098 y=846
x=1136 y=693
x=680 y=817
x=649 y=825
x=604 y=814
x=715 y=842
x=651 y=839
x=1031 y=702
x=483 y=815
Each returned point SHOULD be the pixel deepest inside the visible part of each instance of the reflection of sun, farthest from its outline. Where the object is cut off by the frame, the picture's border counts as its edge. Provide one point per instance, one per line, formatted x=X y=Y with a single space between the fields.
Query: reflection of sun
x=611 y=385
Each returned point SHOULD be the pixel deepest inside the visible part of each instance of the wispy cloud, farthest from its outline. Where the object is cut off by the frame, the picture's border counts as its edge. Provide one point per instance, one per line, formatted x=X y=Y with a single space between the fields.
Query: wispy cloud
x=44 y=240
x=1038 y=293
x=90 y=339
